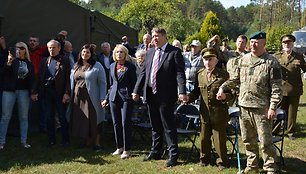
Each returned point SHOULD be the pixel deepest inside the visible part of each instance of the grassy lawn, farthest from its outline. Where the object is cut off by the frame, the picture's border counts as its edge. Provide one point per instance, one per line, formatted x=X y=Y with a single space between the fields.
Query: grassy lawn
x=40 y=159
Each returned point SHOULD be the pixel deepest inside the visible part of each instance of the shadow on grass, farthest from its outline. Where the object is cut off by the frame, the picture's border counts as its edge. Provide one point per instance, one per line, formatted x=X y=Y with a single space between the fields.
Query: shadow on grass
x=300 y=130
x=13 y=155
x=292 y=165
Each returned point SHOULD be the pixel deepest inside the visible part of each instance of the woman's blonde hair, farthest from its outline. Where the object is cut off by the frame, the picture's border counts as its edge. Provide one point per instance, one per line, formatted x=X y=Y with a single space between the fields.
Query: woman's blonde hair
x=123 y=48
x=22 y=44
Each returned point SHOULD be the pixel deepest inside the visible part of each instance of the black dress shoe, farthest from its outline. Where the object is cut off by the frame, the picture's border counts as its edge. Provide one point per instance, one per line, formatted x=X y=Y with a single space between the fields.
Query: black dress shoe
x=171 y=162
x=152 y=156
x=97 y=148
x=203 y=164
x=51 y=144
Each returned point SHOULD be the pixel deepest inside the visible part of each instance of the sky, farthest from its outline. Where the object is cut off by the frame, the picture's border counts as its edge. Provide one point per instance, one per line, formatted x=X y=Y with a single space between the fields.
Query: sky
x=235 y=3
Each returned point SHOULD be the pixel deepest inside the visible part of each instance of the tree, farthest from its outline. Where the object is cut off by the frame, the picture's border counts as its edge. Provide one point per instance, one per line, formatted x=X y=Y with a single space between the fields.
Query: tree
x=179 y=26
x=274 y=34
x=149 y=13
x=210 y=27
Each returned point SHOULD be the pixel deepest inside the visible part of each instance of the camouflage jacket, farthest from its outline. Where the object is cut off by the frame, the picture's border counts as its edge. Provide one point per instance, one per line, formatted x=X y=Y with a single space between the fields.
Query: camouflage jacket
x=260 y=81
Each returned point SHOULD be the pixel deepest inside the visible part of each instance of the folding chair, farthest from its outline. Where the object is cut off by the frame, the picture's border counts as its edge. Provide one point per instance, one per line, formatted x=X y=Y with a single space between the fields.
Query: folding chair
x=188 y=116
x=233 y=129
x=278 y=137
x=141 y=122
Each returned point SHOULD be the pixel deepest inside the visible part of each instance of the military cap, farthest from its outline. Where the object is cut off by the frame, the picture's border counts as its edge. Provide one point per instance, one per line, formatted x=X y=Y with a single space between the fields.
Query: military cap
x=288 y=37
x=258 y=35
x=209 y=52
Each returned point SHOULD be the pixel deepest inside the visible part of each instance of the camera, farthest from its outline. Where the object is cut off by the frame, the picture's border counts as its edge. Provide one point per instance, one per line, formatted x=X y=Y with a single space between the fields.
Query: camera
x=12 y=50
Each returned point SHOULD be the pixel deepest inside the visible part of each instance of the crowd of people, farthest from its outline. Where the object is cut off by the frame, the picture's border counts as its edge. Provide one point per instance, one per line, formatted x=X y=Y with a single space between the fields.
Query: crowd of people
x=75 y=90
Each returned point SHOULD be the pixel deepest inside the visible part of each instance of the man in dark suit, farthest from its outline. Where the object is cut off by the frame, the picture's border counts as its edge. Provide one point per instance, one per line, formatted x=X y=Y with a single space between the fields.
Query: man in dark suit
x=106 y=59
x=147 y=38
x=54 y=82
x=163 y=79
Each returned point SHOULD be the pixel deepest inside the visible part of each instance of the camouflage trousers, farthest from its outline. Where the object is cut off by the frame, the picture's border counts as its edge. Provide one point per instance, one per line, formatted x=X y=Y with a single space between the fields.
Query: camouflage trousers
x=253 y=122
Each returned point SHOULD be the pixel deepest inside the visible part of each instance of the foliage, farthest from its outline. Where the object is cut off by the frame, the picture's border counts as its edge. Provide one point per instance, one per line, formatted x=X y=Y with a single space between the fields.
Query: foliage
x=149 y=13
x=195 y=36
x=182 y=19
x=110 y=8
x=79 y=2
x=240 y=20
x=273 y=37
x=210 y=27
x=75 y=1
x=178 y=26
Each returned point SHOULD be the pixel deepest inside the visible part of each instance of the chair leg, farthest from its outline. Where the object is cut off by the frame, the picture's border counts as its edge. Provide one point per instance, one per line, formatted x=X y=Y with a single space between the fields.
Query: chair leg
x=282 y=161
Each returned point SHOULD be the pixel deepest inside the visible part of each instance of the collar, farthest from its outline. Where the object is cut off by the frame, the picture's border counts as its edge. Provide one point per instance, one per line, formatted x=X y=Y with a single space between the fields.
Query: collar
x=57 y=57
x=163 y=48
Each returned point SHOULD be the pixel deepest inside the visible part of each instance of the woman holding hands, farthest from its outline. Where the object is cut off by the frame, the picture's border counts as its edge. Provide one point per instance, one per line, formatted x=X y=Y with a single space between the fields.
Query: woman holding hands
x=122 y=82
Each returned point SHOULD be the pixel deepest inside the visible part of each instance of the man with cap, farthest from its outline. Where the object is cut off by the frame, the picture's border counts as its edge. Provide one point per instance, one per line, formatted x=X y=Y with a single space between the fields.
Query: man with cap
x=225 y=47
x=214 y=113
x=292 y=63
x=260 y=79
x=193 y=63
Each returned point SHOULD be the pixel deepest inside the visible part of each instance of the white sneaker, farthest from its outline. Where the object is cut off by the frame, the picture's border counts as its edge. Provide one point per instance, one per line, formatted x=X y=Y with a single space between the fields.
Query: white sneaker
x=117 y=152
x=125 y=155
x=26 y=145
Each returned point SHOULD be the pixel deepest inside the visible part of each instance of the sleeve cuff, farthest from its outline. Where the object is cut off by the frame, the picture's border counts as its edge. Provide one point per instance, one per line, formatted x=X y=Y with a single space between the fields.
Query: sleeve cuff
x=273 y=106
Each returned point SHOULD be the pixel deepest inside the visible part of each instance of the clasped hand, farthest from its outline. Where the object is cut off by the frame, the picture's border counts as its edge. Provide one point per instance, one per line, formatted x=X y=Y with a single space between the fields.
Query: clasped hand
x=220 y=95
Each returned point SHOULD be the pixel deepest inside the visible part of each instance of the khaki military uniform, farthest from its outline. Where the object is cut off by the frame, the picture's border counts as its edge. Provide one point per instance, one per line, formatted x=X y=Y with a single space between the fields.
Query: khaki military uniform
x=214 y=113
x=260 y=89
x=292 y=84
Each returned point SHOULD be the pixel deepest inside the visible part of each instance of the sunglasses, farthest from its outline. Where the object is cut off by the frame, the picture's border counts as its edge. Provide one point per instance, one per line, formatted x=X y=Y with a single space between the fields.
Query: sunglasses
x=21 y=48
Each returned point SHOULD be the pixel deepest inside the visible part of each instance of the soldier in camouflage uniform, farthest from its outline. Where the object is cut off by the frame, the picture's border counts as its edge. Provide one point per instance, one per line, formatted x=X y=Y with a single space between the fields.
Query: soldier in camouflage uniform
x=214 y=113
x=232 y=63
x=259 y=76
x=292 y=63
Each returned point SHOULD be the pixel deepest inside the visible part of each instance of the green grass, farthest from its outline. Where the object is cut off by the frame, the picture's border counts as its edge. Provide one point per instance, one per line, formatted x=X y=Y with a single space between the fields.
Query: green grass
x=40 y=159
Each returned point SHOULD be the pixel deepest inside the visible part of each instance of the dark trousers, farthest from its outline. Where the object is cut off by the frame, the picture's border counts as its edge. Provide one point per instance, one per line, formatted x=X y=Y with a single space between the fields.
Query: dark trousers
x=121 y=115
x=42 y=115
x=290 y=104
x=1 y=103
x=163 y=123
x=52 y=103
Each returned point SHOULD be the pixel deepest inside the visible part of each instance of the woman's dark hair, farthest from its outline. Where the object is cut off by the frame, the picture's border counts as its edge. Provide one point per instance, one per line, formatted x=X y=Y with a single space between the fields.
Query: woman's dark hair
x=91 y=61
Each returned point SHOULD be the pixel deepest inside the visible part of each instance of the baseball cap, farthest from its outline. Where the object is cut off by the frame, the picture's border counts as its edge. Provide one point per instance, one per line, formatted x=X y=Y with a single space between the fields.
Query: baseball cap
x=195 y=43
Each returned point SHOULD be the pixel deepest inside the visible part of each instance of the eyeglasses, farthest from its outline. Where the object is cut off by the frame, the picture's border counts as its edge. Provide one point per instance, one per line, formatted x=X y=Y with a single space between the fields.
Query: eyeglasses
x=21 y=48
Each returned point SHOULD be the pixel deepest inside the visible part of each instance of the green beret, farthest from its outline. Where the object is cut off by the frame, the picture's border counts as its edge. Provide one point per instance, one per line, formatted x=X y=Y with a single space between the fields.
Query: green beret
x=209 y=52
x=258 y=35
x=288 y=37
